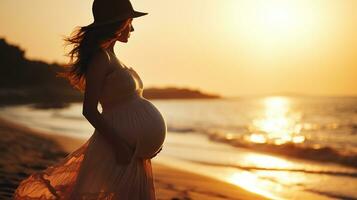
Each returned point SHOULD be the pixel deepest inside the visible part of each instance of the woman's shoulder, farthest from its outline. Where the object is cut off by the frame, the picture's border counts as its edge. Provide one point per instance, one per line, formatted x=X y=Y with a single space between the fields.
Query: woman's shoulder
x=101 y=55
x=100 y=60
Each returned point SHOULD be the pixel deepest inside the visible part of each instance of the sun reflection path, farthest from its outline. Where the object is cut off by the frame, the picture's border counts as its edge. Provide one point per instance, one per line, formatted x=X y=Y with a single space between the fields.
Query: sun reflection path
x=266 y=161
x=250 y=182
x=260 y=181
x=278 y=125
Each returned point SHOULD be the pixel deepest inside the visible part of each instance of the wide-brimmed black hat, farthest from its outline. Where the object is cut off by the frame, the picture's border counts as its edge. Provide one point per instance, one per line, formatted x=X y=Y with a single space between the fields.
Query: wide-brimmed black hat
x=109 y=11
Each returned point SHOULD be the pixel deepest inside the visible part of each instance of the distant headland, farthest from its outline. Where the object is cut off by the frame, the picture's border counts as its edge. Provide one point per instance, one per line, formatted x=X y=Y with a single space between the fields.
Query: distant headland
x=24 y=81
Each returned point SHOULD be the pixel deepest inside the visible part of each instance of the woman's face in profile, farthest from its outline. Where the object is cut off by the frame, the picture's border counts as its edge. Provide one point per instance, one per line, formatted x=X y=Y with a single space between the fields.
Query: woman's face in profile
x=125 y=33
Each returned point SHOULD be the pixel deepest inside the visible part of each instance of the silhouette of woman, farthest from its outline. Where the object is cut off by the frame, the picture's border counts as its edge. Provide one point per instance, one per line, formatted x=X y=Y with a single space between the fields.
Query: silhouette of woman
x=115 y=162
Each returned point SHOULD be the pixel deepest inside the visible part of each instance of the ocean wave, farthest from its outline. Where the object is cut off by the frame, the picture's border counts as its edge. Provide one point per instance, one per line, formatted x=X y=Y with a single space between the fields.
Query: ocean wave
x=304 y=150
x=255 y=168
x=296 y=150
x=332 y=195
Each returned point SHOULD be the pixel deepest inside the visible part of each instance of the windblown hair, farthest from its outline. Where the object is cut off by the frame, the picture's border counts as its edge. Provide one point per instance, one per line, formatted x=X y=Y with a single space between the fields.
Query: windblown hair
x=86 y=42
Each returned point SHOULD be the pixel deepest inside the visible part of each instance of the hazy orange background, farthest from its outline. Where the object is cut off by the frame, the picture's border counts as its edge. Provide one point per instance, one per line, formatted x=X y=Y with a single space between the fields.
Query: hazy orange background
x=230 y=47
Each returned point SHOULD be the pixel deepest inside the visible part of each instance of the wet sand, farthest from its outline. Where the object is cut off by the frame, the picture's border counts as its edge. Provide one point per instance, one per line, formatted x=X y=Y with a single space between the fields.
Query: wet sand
x=24 y=151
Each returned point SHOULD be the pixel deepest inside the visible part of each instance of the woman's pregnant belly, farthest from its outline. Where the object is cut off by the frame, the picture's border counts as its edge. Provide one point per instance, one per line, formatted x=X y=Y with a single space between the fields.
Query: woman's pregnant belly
x=140 y=124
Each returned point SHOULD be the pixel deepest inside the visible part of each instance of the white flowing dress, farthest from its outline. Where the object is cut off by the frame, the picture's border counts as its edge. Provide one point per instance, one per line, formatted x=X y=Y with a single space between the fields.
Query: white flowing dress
x=91 y=171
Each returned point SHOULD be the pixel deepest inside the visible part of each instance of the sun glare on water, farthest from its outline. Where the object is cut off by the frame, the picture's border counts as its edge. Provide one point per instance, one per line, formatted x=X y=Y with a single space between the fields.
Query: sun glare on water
x=278 y=125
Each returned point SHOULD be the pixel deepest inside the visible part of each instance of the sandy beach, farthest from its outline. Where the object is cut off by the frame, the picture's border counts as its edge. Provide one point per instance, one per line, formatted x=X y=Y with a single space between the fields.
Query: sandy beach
x=24 y=151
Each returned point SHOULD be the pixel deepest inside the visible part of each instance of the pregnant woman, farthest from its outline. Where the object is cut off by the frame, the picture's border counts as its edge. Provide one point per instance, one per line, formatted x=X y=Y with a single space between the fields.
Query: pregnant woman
x=115 y=162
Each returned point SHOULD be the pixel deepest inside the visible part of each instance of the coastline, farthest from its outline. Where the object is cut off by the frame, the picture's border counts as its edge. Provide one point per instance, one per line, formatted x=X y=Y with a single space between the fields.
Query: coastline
x=170 y=183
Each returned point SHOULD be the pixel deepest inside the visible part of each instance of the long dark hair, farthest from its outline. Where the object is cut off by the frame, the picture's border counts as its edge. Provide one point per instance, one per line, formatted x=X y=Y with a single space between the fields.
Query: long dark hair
x=87 y=41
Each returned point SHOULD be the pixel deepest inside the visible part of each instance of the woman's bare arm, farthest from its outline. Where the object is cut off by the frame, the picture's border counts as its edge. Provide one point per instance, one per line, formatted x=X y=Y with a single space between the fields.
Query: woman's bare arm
x=98 y=69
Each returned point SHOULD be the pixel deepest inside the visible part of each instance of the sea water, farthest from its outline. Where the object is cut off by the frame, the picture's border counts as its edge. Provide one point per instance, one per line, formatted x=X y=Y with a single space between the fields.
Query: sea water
x=277 y=146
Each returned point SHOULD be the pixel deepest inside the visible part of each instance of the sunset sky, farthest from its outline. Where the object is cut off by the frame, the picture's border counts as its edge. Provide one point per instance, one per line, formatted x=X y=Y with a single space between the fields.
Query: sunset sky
x=229 y=47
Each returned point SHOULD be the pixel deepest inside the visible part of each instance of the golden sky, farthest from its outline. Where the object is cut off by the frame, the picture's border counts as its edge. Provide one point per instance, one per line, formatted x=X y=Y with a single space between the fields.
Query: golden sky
x=230 y=47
